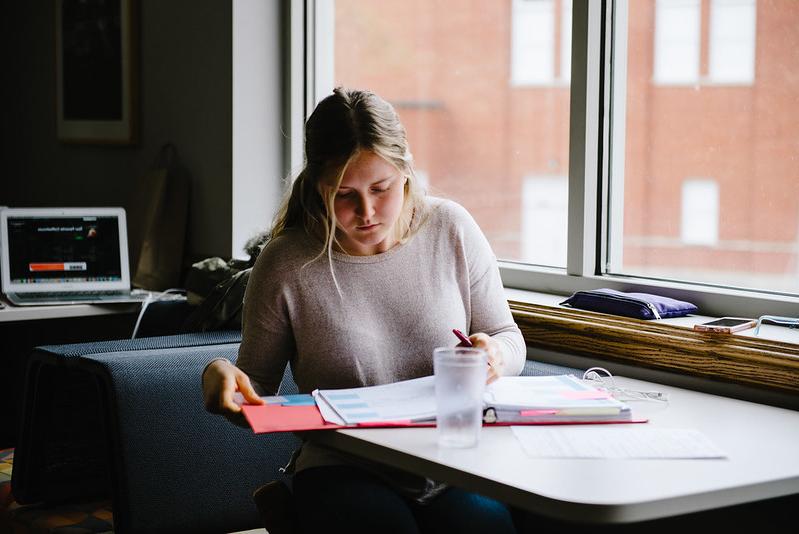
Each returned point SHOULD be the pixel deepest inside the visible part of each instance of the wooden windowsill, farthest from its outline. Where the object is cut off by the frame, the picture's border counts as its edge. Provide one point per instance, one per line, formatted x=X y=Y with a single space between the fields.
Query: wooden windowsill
x=676 y=347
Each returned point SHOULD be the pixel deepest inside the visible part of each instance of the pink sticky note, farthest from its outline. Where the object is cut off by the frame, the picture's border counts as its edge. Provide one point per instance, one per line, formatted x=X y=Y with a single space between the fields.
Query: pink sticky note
x=384 y=424
x=590 y=394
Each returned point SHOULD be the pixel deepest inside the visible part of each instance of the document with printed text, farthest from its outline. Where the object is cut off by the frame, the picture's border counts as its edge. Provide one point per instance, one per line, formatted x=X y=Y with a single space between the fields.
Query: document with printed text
x=615 y=442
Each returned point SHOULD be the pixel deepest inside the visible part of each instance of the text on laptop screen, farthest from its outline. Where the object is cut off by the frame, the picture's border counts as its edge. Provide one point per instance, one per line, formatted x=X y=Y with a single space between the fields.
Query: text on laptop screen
x=63 y=249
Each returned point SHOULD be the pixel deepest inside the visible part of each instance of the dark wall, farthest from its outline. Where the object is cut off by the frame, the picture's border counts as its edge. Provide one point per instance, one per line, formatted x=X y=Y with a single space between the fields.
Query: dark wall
x=185 y=96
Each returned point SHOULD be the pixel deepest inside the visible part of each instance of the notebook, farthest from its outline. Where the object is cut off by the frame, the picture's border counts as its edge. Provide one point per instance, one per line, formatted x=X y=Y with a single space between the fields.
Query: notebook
x=55 y=256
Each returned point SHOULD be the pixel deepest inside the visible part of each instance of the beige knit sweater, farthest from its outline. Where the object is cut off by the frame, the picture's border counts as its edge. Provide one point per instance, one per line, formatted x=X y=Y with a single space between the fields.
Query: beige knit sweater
x=394 y=308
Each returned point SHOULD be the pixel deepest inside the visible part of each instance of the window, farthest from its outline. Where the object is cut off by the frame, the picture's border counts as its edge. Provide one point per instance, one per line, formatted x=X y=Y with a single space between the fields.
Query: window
x=445 y=68
x=678 y=141
x=537 y=56
x=533 y=49
x=677 y=40
x=544 y=213
x=740 y=229
x=700 y=212
x=730 y=42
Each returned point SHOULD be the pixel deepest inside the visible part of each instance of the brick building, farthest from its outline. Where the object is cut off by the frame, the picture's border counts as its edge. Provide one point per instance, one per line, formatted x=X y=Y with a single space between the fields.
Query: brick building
x=711 y=133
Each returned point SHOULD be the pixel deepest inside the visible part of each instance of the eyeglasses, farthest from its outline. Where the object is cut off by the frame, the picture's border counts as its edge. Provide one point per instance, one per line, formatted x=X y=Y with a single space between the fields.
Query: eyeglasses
x=790 y=322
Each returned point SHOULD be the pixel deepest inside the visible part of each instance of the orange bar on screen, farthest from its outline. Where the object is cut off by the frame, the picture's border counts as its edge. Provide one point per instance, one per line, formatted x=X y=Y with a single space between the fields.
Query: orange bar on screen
x=34 y=267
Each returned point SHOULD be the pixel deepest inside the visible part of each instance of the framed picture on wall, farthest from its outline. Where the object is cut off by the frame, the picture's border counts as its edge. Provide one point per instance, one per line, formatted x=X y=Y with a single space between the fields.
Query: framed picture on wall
x=96 y=71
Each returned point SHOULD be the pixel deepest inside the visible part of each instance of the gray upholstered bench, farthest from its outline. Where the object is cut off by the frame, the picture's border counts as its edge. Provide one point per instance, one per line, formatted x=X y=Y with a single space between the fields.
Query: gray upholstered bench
x=125 y=420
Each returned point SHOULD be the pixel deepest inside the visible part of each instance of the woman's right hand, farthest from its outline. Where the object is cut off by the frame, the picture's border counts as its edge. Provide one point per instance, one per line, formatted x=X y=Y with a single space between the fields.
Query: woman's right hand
x=221 y=380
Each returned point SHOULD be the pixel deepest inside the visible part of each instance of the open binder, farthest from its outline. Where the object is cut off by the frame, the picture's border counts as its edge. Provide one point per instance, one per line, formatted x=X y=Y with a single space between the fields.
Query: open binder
x=529 y=400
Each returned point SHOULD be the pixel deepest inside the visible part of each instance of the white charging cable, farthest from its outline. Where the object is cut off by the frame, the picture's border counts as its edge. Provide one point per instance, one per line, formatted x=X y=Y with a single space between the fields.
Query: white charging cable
x=146 y=302
x=607 y=382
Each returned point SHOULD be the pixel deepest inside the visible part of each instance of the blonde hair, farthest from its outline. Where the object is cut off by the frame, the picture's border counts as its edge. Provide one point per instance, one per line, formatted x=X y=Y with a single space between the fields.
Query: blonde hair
x=342 y=125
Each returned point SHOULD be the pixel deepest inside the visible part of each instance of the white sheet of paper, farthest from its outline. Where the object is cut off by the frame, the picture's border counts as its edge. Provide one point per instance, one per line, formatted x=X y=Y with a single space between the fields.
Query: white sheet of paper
x=327 y=411
x=547 y=392
x=629 y=441
x=407 y=400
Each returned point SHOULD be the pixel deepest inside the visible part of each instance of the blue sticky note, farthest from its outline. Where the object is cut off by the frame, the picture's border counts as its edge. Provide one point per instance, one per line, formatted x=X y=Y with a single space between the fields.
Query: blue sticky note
x=343 y=396
x=302 y=399
x=567 y=382
x=352 y=405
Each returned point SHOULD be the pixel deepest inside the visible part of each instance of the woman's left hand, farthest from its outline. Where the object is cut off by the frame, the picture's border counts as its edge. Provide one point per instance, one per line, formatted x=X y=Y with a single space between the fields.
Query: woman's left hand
x=493 y=351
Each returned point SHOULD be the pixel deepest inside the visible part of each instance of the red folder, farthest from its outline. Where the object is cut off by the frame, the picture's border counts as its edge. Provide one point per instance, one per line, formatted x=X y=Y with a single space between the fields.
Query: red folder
x=265 y=418
x=277 y=418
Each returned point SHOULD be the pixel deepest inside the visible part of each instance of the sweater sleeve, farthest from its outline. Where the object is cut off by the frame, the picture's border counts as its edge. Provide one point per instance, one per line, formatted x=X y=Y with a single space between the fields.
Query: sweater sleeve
x=267 y=343
x=490 y=312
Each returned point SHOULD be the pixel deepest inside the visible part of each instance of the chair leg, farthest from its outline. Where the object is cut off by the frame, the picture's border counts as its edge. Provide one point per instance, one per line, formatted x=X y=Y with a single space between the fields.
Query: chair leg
x=275 y=504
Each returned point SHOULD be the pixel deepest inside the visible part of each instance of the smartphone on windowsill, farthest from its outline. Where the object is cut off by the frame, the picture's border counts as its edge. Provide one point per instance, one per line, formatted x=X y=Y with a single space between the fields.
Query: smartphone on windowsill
x=726 y=325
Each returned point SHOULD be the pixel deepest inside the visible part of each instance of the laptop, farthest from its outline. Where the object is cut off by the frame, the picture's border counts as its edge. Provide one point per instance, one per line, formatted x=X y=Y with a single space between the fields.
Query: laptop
x=56 y=256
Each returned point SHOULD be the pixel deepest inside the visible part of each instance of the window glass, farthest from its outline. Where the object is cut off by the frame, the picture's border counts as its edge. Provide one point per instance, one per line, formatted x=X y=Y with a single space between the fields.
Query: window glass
x=710 y=178
x=451 y=70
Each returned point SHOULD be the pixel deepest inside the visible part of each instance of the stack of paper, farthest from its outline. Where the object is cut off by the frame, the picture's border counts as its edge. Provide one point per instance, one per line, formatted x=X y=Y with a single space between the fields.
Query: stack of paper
x=562 y=398
x=408 y=401
x=509 y=400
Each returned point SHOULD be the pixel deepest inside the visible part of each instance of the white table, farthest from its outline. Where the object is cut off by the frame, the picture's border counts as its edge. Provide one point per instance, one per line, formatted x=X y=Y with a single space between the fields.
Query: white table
x=33 y=313
x=762 y=444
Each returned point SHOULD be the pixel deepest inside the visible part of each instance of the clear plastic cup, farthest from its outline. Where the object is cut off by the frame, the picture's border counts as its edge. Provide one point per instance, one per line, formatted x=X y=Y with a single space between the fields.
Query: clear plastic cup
x=460 y=377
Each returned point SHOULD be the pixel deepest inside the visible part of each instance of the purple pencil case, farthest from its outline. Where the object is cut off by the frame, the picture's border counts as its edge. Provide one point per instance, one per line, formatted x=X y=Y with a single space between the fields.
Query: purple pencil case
x=635 y=305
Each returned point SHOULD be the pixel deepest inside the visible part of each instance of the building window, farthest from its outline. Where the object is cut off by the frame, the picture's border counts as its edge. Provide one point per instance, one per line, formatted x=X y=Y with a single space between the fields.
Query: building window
x=540 y=42
x=545 y=203
x=732 y=41
x=729 y=34
x=677 y=41
x=700 y=212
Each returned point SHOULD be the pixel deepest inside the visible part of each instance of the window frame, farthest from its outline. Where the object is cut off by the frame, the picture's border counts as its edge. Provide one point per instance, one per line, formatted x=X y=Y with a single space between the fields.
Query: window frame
x=593 y=139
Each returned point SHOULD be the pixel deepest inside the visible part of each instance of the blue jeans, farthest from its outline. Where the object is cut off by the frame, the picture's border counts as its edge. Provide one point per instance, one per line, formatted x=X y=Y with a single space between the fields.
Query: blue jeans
x=347 y=499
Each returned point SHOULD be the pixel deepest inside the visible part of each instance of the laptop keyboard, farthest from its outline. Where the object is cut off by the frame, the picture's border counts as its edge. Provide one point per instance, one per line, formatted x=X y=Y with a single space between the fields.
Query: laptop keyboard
x=77 y=294
x=77 y=297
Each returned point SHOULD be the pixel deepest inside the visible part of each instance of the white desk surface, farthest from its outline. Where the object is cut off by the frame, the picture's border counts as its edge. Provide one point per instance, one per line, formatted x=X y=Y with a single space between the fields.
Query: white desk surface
x=31 y=313
x=762 y=444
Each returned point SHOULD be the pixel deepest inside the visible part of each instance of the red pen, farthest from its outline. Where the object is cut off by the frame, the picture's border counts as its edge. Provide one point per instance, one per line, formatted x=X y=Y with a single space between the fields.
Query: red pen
x=462 y=337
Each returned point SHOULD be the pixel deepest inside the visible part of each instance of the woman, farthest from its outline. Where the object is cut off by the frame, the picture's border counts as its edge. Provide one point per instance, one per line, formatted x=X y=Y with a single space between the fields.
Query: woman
x=362 y=278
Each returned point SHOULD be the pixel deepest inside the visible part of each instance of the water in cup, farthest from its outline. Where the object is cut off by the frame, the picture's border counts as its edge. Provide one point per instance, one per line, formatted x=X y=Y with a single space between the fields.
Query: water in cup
x=460 y=381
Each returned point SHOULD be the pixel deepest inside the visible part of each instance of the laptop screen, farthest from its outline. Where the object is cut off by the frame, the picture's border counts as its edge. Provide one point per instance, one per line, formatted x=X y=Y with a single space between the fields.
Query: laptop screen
x=63 y=249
